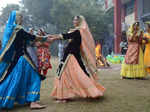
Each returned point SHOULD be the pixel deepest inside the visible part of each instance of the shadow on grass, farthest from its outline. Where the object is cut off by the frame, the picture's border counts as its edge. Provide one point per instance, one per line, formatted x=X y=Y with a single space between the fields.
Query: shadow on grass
x=135 y=78
x=92 y=100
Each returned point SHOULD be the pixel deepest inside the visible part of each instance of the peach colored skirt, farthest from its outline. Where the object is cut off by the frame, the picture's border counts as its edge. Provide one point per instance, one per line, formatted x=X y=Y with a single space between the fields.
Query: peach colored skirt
x=75 y=83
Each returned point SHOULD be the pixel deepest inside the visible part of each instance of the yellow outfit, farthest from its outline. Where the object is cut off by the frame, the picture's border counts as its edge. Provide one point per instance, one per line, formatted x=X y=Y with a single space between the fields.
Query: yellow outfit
x=147 y=54
x=134 y=70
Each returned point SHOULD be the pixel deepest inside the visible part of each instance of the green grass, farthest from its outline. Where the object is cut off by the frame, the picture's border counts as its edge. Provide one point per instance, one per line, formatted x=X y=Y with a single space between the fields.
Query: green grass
x=120 y=95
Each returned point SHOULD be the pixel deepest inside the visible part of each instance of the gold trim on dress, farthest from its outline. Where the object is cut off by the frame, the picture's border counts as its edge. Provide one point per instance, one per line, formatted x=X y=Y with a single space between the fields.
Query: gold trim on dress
x=64 y=64
x=30 y=61
x=7 y=97
x=22 y=97
x=10 y=41
x=33 y=93
x=5 y=72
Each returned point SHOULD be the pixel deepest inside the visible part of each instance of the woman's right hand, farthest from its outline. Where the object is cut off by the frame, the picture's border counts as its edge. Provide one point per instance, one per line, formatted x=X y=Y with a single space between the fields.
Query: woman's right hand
x=54 y=37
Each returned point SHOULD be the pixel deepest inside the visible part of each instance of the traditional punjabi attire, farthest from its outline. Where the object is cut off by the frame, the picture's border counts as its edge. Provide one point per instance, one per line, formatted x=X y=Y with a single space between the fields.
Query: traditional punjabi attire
x=73 y=78
x=19 y=79
x=133 y=66
x=147 y=53
x=44 y=56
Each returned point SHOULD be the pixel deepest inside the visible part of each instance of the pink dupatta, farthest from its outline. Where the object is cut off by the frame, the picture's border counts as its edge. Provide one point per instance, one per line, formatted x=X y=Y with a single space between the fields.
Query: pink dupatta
x=87 y=47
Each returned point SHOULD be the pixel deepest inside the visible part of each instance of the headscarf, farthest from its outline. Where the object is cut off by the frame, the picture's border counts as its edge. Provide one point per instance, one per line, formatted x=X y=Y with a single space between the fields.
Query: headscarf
x=131 y=29
x=9 y=33
x=87 y=46
x=10 y=25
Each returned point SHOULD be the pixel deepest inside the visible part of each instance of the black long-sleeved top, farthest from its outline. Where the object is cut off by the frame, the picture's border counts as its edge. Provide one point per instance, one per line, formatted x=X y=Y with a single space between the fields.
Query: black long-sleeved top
x=73 y=48
x=20 y=45
x=75 y=43
x=21 y=41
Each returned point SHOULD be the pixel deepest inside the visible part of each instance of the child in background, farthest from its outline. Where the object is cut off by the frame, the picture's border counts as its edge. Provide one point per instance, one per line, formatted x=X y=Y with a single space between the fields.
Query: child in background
x=43 y=54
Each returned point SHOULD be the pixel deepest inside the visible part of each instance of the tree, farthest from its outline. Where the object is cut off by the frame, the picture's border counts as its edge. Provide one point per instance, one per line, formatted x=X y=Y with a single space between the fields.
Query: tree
x=6 y=11
x=56 y=16
x=60 y=14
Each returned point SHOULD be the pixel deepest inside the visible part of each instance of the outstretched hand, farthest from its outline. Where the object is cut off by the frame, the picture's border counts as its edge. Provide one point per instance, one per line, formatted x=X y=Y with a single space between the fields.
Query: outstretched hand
x=53 y=37
x=50 y=36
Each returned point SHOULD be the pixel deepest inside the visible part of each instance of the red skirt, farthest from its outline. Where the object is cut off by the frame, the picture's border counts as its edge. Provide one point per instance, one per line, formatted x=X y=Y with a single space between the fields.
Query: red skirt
x=44 y=58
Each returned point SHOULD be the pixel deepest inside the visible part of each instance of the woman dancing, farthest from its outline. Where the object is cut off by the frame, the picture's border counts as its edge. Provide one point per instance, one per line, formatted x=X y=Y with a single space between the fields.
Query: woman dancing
x=19 y=79
x=74 y=79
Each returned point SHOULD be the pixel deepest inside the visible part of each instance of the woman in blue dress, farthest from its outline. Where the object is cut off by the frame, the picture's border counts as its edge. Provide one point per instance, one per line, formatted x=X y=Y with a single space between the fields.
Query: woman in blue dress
x=19 y=80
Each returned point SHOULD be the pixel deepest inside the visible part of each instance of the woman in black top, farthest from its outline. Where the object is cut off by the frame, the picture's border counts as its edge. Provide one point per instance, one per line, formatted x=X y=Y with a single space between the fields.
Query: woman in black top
x=74 y=79
x=73 y=47
x=19 y=79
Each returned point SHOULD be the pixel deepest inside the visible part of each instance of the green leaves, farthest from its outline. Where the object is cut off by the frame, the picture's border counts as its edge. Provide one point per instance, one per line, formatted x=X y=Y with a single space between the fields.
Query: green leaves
x=6 y=11
x=60 y=13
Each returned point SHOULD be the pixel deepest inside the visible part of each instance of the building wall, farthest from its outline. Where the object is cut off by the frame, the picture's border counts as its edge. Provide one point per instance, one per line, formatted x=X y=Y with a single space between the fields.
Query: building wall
x=146 y=6
x=109 y=4
x=130 y=14
x=129 y=19
x=134 y=10
x=143 y=12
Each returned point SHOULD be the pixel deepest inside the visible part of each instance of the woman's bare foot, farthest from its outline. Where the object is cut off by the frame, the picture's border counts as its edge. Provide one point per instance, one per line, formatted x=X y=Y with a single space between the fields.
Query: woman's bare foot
x=35 y=105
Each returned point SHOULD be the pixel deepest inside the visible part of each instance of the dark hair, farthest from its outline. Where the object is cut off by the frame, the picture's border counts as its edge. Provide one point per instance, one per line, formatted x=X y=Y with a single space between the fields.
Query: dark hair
x=137 y=23
x=78 y=17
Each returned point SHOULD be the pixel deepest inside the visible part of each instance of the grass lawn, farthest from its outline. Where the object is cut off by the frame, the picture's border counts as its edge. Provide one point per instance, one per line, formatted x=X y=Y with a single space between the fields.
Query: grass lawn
x=120 y=95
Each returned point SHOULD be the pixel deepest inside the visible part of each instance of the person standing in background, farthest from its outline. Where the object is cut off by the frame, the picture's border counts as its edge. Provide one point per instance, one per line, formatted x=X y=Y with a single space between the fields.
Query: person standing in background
x=60 y=50
x=43 y=54
x=124 y=43
x=133 y=66
x=147 y=48
x=32 y=50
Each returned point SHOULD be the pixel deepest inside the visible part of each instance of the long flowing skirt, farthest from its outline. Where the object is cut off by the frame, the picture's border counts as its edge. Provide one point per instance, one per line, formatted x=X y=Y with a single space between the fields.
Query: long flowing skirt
x=73 y=82
x=22 y=85
x=147 y=58
x=134 y=70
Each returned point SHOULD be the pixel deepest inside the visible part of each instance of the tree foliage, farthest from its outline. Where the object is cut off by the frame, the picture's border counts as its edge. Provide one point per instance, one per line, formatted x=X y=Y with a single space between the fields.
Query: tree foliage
x=56 y=16
x=61 y=12
x=6 y=11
